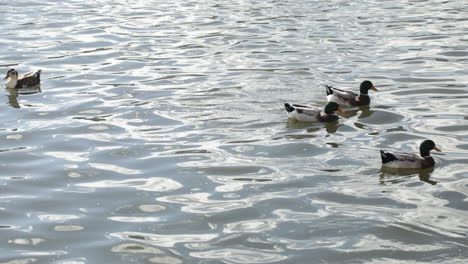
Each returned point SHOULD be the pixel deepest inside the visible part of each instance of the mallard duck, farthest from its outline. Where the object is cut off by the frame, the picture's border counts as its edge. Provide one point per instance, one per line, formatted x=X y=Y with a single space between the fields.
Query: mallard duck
x=29 y=79
x=306 y=113
x=402 y=160
x=350 y=98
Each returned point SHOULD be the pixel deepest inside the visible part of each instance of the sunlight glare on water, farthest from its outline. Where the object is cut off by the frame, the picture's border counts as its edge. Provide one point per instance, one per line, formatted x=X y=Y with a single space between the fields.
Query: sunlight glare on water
x=158 y=134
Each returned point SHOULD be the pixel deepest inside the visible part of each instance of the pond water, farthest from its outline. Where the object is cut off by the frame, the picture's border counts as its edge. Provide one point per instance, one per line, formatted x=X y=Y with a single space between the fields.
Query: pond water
x=158 y=134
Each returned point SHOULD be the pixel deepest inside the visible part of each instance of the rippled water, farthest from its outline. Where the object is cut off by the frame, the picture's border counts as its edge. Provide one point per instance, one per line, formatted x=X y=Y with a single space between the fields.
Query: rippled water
x=159 y=135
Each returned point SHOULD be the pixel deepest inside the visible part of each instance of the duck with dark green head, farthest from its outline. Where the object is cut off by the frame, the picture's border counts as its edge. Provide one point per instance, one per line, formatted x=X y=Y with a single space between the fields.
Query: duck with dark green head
x=305 y=113
x=349 y=98
x=401 y=160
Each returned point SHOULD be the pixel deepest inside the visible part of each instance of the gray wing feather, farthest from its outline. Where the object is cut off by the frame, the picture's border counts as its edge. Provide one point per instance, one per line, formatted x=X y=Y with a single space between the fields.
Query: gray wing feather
x=27 y=74
x=402 y=156
x=346 y=95
x=308 y=111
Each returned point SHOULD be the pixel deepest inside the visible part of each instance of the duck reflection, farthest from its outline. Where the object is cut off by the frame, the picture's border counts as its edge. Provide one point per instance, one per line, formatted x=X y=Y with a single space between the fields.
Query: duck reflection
x=391 y=175
x=14 y=93
x=363 y=111
x=13 y=98
x=330 y=127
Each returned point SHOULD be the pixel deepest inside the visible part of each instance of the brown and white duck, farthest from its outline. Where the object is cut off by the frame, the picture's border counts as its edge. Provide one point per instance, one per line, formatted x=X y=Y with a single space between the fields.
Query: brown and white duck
x=401 y=160
x=29 y=79
x=305 y=113
x=349 y=98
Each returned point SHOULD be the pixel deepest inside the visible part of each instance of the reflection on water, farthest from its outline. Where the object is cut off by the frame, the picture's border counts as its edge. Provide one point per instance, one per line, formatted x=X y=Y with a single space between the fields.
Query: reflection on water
x=365 y=112
x=330 y=127
x=14 y=93
x=392 y=175
x=158 y=134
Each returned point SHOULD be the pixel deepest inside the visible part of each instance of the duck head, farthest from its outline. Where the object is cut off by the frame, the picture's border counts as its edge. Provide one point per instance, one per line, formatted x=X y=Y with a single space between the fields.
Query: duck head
x=426 y=146
x=331 y=107
x=12 y=73
x=366 y=86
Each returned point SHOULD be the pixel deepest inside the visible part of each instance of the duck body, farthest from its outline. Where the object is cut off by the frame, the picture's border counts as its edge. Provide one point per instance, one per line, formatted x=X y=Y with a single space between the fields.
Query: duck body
x=350 y=98
x=403 y=160
x=305 y=113
x=29 y=79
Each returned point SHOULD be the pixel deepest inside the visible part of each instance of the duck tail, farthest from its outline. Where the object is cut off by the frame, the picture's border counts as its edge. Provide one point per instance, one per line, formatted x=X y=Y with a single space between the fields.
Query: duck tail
x=329 y=89
x=386 y=156
x=289 y=108
x=38 y=74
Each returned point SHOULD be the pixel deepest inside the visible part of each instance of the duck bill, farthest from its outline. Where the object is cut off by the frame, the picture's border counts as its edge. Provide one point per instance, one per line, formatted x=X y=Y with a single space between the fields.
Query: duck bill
x=341 y=111
x=436 y=149
x=374 y=89
x=6 y=77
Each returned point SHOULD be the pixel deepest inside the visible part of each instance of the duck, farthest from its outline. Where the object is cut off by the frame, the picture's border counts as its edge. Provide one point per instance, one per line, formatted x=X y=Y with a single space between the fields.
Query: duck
x=305 y=113
x=29 y=79
x=402 y=160
x=349 y=98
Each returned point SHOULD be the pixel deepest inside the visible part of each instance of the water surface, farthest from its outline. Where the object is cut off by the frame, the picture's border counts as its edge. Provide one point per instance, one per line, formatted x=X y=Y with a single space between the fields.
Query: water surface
x=159 y=135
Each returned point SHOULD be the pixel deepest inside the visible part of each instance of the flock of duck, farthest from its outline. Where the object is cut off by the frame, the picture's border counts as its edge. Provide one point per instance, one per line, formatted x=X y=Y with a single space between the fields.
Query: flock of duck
x=302 y=113
x=337 y=97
